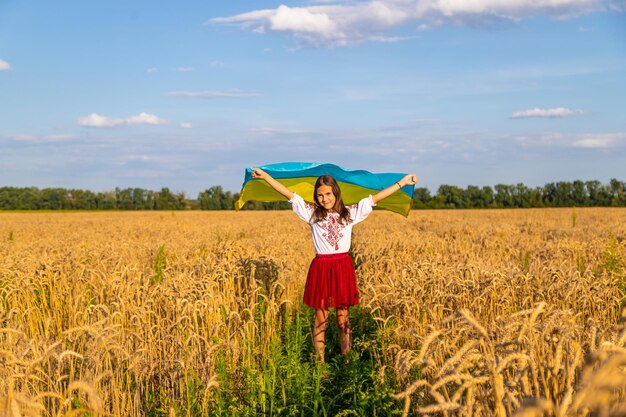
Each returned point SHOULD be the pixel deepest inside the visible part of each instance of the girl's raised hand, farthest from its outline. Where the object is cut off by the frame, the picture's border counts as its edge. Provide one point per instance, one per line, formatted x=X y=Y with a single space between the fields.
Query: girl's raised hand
x=409 y=179
x=258 y=173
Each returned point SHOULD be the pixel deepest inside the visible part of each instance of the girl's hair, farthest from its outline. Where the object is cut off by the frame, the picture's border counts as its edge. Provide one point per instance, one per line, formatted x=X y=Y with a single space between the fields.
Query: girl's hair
x=321 y=212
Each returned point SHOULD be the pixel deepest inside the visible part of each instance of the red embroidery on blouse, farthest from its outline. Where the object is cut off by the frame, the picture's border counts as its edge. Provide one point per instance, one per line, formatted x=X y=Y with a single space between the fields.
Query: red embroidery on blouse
x=333 y=228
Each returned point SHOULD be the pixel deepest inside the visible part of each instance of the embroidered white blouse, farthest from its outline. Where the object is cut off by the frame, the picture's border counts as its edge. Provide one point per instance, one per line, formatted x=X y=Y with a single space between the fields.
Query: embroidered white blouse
x=329 y=235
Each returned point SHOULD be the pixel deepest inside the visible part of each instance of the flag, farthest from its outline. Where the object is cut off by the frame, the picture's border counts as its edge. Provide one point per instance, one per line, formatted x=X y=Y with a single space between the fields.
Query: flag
x=300 y=178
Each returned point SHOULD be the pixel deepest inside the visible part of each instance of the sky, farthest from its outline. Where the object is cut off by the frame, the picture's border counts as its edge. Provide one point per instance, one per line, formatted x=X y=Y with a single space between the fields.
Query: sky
x=186 y=95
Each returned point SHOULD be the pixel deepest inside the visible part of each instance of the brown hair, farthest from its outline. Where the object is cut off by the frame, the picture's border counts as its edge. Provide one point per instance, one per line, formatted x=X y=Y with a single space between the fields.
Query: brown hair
x=321 y=212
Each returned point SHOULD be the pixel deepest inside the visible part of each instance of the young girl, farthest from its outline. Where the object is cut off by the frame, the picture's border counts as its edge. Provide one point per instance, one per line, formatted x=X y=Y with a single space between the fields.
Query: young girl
x=331 y=281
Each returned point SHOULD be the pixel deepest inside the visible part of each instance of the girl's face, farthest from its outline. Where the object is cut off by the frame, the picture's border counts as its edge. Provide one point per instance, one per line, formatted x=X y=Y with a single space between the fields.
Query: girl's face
x=325 y=196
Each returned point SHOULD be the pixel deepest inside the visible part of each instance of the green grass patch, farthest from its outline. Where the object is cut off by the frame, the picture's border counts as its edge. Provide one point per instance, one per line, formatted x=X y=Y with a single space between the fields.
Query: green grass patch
x=159 y=264
x=287 y=379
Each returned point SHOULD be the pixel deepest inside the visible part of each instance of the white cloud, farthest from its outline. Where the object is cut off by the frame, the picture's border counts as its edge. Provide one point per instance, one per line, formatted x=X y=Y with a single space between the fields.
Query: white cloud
x=275 y=131
x=185 y=125
x=141 y=158
x=545 y=113
x=4 y=66
x=517 y=9
x=216 y=64
x=602 y=140
x=62 y=137
x=96 y=120
x=348 y=22
x=584 y=140
x=301 y=20
x=184 y=69
x=152 y=69
x=57 y=138
x=214 y=94
x=389 y=39
x=144 y=119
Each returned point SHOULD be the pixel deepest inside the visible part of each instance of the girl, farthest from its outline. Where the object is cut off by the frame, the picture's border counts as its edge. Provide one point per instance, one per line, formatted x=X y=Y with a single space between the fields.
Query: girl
x=331 y=281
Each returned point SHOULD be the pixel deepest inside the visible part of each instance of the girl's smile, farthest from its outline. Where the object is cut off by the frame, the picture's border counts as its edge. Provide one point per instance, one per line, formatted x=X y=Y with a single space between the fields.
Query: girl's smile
x=325 y=197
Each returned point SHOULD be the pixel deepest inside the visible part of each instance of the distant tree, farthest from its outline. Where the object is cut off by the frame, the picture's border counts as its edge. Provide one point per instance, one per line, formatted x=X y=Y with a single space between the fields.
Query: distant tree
x=564 y=194
x=138 y=197
x=54 y=198
x=150 y=200
x=536 y=197
x=421 y=198
x=617 y=193
x=477 y=198
x=549 y=194
x=487 y=196
x=454 y=197
x=106 y=201
x=124 y=199
x=181 y=201
x=276 y=205
x=580 y=197
x=504 y=196
x=82 y=200
x=594 y=191
x=216 y=199
x=166 y=200
x=472 y=196
x=27 y=198
x=211 y=199
x=7 y=199
x=520 y=195
x=228 y=202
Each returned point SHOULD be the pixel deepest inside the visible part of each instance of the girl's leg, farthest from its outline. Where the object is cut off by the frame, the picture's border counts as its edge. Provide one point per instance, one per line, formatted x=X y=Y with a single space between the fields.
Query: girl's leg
x=345 y=334
x=319 y=332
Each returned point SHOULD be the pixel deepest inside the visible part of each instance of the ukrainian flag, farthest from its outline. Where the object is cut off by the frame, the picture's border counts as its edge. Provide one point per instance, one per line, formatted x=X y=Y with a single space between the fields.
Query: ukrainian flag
x=300 y=178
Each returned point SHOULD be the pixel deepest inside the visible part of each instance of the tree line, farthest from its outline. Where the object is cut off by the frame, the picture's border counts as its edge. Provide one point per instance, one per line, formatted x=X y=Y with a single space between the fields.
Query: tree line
x=554 y=194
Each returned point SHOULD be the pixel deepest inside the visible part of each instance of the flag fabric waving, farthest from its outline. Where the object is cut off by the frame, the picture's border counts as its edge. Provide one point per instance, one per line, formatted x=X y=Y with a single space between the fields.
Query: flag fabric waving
x=300 y=178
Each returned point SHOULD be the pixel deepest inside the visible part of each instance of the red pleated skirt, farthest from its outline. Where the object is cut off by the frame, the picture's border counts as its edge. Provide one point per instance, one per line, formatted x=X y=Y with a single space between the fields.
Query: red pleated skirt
x=331 y=282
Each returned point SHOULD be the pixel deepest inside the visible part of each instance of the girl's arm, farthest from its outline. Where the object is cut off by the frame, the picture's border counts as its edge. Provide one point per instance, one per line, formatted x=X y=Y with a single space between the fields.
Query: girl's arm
x=408 y=180
x=259 y=173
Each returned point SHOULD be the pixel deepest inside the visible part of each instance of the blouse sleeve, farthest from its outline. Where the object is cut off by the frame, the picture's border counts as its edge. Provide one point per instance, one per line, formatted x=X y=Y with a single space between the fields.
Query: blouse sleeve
x=360 y=211
x=303 y=209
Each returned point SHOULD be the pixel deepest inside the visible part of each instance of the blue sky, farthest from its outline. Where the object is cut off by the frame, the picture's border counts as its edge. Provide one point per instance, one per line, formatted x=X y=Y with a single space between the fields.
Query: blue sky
x=108 y=94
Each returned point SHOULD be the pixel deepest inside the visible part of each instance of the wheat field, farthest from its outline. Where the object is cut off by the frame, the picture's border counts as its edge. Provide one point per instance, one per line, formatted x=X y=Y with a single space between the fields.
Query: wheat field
x=468 y=313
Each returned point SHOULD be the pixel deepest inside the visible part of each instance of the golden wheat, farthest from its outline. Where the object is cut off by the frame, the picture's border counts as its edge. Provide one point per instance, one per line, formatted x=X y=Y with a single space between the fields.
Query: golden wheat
x=483 y=312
